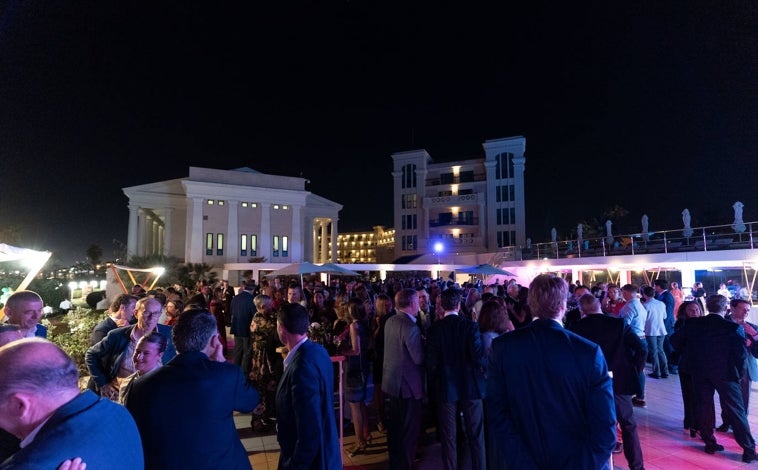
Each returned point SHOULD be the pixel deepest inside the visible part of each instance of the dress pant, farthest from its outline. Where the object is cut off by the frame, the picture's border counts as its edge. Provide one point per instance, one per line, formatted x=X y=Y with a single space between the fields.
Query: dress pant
x=731 y=399
x=660 y=364
x=473 y=430
x=689 y=400
x=243 y=354
x=625 y=418
x=745 y=389
x=403 y=431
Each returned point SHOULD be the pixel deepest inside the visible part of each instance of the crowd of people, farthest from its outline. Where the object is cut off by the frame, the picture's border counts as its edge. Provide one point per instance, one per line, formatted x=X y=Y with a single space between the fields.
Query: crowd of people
x=544 y=376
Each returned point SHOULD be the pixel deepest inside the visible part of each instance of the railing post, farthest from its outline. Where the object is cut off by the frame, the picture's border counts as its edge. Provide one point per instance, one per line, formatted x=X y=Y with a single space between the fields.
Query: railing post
x=602 y=241
x=705 y=241
x=665 y=243
x=751 y=235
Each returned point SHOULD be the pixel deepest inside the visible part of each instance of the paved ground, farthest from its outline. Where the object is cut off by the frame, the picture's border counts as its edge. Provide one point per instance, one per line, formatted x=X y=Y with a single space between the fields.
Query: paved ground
x=665 y=444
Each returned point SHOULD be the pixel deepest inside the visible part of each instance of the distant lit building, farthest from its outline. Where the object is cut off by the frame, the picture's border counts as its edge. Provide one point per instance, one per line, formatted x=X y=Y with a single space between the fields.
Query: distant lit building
x=231 y=216
x=471 y=206
x=376 y=246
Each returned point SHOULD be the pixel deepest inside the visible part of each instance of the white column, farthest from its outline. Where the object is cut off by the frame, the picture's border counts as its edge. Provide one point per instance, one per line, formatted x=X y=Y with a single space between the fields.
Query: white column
x=132 y=234
x=488 y=227
x=161 y=233
x=167 y=230
x=296 y=244
x=314 y=240
x=322 y=256
x=334 y=240
x=264 y=241
x=154 y=236
x=232 y=250
x=194 y=245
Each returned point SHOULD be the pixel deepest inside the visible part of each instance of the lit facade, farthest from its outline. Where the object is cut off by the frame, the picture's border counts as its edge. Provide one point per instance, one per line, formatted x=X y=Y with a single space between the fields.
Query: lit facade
x=471 y=206
x=376 y=246
x=231 y=216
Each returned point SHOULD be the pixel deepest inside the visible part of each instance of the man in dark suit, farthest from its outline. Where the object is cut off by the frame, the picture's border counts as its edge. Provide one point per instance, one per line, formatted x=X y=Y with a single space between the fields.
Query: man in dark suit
x=202 y=299
x=42 y=406
x=625 y=354
x=549 y=394
x=190 y=402
x=662 y=293
x=455 y=364
x=120 y=314
x=403 y=379
x=306 y=429
x=714 y=349
x=243 y=311
x=739 y=310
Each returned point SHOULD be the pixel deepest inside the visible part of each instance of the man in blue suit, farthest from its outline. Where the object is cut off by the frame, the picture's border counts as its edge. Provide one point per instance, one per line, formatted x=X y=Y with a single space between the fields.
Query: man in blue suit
x=184 y=409
x=714 y=349
x=455 y=364
x=40 y=404
x=625 y=354
x=306 y=429
x=549 y=394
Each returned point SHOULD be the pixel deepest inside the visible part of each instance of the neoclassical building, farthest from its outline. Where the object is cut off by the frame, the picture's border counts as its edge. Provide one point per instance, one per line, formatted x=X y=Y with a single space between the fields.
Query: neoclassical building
x=232 y=216
x=468 y=206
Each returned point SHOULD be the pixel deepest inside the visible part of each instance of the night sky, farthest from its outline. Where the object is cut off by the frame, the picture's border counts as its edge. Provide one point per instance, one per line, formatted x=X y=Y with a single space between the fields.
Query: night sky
x=652 y=105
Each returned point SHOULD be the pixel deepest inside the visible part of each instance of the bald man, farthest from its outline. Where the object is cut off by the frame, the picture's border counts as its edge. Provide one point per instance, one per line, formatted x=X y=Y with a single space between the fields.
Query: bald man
x=41 y=405
x=8 y=442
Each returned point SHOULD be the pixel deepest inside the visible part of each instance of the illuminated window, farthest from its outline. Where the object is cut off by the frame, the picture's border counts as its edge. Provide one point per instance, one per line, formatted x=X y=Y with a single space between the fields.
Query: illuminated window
x=220 y=244
x=276 y=206
x=275 y=249
x=221 y=203
x=253 y=245
x=285 y=207
x=209 y=244
x=211 y=202
x=244 y=204
x=285 y=245
x=243 y=244
x=253 y=205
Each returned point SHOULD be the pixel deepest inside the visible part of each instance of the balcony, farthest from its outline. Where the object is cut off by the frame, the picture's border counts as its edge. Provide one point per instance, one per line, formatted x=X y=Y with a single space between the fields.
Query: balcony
x=457 y=200
x=468 y=243
x=456 y=180
x=453 y=222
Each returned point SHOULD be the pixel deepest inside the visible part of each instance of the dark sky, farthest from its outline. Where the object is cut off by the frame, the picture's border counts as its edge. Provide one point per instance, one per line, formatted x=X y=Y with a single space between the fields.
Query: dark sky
x=652 y=105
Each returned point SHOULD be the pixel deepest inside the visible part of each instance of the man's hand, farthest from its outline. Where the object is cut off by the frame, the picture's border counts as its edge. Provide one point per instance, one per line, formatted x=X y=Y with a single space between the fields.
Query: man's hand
x=75 y=464
x=109 y=391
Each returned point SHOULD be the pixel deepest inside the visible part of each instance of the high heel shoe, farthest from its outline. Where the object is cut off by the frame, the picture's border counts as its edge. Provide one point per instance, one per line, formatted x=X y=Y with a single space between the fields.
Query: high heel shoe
x=359 y=448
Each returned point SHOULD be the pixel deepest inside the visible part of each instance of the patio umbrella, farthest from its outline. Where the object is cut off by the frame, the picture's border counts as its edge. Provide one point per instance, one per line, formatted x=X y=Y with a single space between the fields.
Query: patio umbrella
x=485 y=269
x=295 y=269
x=331 y=268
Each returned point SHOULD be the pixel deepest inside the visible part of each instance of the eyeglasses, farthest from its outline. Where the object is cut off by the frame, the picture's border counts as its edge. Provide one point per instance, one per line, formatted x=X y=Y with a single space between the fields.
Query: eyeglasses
x=151 y=314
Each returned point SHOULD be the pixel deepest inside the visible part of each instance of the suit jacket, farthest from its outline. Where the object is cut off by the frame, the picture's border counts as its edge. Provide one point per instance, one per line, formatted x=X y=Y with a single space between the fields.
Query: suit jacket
x=101 y=330
x=713 y=348
x=184 y=412
x=751 y=366
x=668 y=300
x=550 y=399
x=403 y=371
x=624 y=352
x=104 y=358
x=99 y=431
x=455 y=360
x=306 y=428
x=243 y=311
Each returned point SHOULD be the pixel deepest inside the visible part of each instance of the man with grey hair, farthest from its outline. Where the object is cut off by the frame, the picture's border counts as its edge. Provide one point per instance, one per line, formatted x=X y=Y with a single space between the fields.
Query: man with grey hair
x=24 y=308
x=41 y=405
x=715 y=351
x=550 y=397
x=192 y=399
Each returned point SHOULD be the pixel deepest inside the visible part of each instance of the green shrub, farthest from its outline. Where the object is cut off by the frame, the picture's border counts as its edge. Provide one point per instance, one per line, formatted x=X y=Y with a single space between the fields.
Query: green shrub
x=72 y=332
